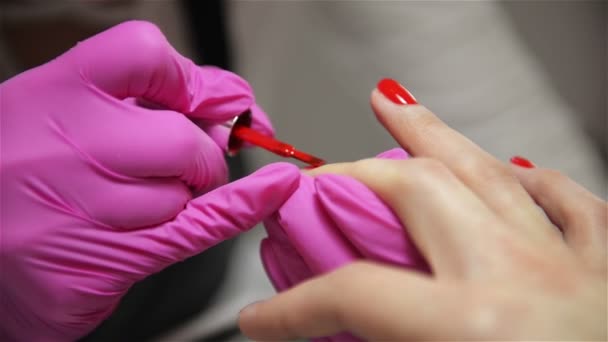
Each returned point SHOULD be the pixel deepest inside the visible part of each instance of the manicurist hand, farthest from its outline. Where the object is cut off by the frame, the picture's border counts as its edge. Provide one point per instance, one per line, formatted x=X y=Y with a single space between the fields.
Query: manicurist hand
x=502 y=268
x=97 y=191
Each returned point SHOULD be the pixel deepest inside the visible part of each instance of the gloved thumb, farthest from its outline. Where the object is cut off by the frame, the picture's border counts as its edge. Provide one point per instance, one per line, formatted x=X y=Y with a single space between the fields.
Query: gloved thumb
x=134 y=59
x=221 y=214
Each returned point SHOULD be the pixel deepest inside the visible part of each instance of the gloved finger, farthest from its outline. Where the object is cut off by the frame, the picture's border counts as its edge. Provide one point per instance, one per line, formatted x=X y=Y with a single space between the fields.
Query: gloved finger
x=134 y=59
x=221 y=214
x=581 y=215
x=260 y=121
x=369 y=224
x=156 y=143
x=284 y=266
x=145 y=202
x=312 y=235
x=275 y=271
x=365 y=220
x=221 y=133
x=362 y=298
x=286 y=257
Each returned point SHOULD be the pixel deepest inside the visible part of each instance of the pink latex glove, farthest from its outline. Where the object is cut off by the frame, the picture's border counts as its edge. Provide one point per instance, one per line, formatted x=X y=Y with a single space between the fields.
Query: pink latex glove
x=97 y=191
x=328 y=222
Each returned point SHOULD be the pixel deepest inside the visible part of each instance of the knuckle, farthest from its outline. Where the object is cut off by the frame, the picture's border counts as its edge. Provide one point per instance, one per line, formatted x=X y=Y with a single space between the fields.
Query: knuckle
x=425 y=172
x=547 y=182
x=143 y=31
x=430 y=166
x=548 y=179
x=484 y=318
x=181 y=136
x=581 y=213
x=485 y=169
x=145 y=40
x=584 y=215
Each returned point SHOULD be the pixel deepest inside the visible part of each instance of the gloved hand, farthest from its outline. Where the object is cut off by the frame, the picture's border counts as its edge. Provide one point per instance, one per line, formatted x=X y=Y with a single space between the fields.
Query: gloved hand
x=328 y=222
x=97 y=191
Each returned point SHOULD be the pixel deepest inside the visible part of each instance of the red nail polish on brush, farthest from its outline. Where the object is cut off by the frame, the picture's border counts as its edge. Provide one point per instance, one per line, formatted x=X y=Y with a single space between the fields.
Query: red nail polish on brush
x=241 y=132
x=395 y=92
x=522 y=162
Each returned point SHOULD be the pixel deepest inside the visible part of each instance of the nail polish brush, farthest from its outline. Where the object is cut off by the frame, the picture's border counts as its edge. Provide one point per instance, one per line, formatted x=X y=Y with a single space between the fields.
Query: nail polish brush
x=242 y=132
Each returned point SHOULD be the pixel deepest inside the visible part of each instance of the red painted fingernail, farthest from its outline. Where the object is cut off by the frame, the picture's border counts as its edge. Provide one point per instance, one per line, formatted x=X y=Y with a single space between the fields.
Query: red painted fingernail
x=523 y=162
x=395 y=92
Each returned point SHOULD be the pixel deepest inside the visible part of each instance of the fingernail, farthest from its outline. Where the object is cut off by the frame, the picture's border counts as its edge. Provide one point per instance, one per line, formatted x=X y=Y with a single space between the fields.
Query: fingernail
x=523 y=162
x=250 y=309
x=395 y=92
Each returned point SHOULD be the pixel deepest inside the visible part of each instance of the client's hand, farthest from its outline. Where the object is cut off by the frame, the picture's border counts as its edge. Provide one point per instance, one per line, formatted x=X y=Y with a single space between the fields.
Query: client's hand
x=502 y=268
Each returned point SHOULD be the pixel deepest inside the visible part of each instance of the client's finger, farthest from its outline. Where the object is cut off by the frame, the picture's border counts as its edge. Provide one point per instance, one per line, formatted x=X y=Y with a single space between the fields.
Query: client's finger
x=582 y=216
x=423 y=134
x=435 y=207
x=362 y=298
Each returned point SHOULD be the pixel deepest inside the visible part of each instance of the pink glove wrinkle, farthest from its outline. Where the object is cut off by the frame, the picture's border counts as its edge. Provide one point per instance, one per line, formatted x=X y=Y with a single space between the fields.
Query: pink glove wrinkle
x=97 y=192
x=330 y=221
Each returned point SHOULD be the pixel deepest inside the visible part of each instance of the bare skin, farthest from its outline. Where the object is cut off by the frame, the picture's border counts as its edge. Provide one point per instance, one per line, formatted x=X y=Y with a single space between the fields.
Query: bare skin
x=516 y=253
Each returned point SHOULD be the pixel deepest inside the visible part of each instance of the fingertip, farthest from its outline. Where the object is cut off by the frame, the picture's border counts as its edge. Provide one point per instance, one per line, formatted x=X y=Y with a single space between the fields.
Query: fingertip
x=220 y=134
x=374 y=95
x=396 y=92
x=217 y=95
x=379 y=103
x=285 y=174
x=142 y=27
x=260 y=121
x=389 y=113
x=247 y=319
x=273 y=184
x=261 y=321
x=204 y=166
x=121 y=59
x=232 y=209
